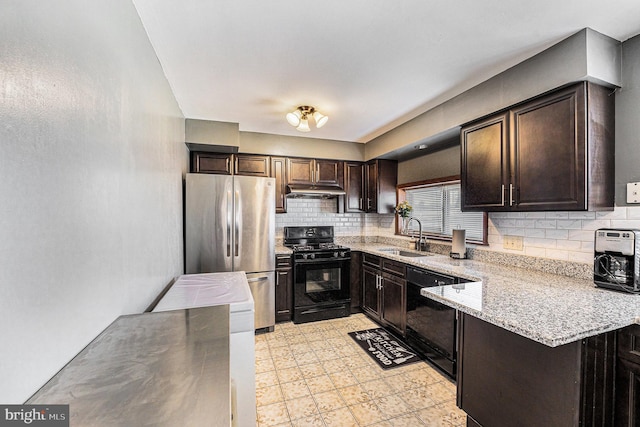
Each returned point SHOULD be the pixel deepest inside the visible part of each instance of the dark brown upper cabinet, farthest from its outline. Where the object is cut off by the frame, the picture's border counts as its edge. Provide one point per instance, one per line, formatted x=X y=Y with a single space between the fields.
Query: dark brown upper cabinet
x=314 y=171
x=252 y=165
x=230 y=164
x=354 y=186
x=554 y=152
x=381 y=178
x=218 y=163
x=279 y=172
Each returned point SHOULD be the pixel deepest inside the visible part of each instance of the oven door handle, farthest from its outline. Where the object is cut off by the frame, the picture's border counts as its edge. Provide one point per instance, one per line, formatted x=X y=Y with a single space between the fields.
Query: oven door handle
x=319 y=261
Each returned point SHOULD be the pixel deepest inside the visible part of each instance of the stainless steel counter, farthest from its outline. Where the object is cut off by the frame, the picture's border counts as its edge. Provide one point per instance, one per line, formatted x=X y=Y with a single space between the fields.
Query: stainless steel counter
x=151 y=369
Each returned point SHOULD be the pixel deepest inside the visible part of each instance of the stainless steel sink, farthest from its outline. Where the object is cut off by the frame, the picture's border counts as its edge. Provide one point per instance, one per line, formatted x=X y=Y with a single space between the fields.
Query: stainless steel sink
x=400 y=252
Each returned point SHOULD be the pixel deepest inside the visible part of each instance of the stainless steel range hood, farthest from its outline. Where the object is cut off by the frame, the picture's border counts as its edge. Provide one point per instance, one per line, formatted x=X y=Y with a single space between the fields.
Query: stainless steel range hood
x=314 y=191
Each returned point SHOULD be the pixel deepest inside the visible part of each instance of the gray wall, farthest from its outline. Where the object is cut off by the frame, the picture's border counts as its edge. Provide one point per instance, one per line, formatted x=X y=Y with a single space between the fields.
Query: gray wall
x=444 y=163
x=627 y=123
x=262 y=143
x=585 y=55
x=92 y=156
x=436 y=165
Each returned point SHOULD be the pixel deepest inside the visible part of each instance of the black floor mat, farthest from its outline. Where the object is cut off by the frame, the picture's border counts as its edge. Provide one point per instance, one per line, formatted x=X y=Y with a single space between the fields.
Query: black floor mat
x=386 y=349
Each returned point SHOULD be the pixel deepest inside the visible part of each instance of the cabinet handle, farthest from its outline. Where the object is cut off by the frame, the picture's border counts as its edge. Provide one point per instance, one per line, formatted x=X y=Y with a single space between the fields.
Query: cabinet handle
x=368 y=203
x=228 y=165
x=317 y=173
x=503 y=194
x=236 y=166
x=361 y=204
x=510 y=194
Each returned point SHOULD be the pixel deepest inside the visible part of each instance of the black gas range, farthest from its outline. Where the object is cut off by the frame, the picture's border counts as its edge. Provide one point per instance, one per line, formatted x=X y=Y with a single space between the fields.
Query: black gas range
x=321 y=274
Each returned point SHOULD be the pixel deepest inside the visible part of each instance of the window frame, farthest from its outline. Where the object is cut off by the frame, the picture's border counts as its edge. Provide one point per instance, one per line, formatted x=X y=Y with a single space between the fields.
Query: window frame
x=454 y=179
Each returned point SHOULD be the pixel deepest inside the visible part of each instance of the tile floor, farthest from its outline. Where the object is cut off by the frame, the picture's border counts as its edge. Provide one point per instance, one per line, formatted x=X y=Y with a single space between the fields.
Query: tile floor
x=314 y=374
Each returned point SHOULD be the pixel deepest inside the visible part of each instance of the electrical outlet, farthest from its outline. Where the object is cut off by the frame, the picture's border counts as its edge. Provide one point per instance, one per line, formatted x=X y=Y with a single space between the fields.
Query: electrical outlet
x=514 y=243
x=633 y=192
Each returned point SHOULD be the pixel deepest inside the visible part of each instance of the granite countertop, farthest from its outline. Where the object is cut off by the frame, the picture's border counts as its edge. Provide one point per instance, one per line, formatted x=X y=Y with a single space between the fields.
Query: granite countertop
x=160 y=369
x=283 y=250
x=547 y=308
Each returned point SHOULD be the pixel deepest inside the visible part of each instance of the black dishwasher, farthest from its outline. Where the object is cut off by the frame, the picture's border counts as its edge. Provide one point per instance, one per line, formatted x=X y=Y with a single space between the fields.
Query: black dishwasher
x=431 y=326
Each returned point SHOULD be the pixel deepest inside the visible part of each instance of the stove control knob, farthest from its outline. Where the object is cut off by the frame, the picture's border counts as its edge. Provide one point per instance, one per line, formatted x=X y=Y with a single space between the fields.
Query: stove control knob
x=343 y=254
x=304 y=256
x=335 y=254
x=312 y=256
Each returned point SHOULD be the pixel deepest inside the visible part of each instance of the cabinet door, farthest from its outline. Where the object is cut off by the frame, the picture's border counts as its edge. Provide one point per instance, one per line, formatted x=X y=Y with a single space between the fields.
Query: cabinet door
x=300 y=171
x=485 y=164
x=279 y=172
x=548 y=157
x=381 y=180
x=328 y=172
x=355 y=280
x=371 y=172
x=219 y=163
x=627 y=411
x=393 y=302
x=284 y=289
x=370 y=300
x=251 y=165
x=354 y=186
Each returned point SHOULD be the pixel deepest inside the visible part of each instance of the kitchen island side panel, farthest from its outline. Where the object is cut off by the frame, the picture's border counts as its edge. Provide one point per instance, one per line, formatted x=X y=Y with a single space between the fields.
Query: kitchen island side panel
x=506 y=379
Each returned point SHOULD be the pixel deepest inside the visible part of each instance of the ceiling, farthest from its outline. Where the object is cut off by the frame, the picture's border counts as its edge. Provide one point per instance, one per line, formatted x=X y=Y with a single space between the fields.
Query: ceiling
x=370 y=65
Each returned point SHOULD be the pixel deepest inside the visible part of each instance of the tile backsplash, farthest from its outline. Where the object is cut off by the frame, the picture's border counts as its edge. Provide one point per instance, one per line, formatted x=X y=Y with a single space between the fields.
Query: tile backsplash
x=565 y=236
x=308 y=211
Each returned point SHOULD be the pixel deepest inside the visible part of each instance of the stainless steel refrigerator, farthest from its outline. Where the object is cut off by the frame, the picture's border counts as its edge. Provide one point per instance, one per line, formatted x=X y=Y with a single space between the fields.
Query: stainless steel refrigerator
x=230 y=226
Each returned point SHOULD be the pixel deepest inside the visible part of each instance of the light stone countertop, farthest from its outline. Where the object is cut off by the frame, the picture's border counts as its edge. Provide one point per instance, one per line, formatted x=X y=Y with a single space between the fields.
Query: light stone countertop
x=283 y=250
x=547 y=308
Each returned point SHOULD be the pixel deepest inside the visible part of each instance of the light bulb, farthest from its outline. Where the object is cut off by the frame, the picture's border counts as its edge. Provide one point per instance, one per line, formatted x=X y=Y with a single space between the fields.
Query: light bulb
x=294 y=118
x=304 y=126
x=320 y=119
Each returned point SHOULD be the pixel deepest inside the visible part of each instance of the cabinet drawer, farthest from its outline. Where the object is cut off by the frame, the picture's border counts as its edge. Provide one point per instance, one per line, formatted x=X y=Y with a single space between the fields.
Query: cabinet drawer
x=371 y=260
x=393 y=267
x=629 y=343
x=283 y=262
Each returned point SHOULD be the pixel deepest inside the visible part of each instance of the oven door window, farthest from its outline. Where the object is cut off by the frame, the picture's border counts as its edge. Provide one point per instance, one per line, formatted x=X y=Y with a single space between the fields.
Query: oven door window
x=323 y=280
x=321 y=283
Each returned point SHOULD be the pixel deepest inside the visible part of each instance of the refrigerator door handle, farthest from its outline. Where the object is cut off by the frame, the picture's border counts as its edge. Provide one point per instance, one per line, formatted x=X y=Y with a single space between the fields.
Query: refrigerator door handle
x=236 y=225
x=229 y=213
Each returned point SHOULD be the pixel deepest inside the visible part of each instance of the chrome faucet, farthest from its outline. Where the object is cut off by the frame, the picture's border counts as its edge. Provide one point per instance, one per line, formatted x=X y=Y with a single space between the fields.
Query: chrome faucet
x=419 y=242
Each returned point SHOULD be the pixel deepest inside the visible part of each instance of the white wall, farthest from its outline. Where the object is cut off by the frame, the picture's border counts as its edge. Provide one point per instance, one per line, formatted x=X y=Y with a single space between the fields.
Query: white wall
x=91 y=161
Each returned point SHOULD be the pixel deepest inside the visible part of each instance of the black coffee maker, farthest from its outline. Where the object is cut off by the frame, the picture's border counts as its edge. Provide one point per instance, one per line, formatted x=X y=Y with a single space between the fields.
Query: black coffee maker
x=616 y=262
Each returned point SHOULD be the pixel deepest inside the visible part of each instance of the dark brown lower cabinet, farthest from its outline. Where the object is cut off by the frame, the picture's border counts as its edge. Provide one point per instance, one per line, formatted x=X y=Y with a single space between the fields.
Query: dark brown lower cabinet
x=393 y=311
x=505 y=379
x=284 y=288
x=628 y=378
x=384 y=291
x=355 y=280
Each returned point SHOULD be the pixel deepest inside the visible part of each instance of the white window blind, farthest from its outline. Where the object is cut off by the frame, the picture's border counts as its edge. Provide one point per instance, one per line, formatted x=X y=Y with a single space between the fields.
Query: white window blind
x=438 y=208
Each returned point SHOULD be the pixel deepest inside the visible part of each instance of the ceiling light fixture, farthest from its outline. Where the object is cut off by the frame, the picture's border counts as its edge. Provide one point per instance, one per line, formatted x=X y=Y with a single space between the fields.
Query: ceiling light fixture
x=299 y=118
